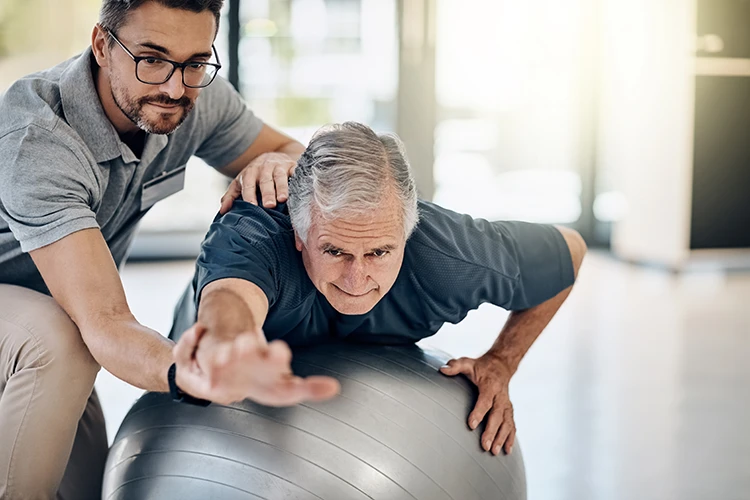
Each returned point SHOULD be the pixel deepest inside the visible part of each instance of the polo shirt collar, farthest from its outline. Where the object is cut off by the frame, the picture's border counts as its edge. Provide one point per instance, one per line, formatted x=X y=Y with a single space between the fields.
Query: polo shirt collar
x=154 y=145
x=84 y=112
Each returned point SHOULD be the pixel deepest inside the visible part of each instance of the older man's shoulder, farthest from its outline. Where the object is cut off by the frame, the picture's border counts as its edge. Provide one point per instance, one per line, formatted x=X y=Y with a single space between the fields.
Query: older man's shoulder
x=438 y=225
x=249 y=218
x=452 y=239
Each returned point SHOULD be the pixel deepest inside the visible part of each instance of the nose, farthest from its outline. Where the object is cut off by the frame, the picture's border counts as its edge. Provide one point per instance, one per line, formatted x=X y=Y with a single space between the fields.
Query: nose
x=356 y=279
x=174 y=87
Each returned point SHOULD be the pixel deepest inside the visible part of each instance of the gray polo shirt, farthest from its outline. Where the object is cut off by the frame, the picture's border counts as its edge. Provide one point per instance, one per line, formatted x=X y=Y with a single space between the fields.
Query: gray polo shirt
x=63 y=167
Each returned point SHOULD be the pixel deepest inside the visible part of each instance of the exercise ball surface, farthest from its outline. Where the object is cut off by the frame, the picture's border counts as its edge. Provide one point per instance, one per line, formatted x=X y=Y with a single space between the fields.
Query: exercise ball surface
x=397 y=431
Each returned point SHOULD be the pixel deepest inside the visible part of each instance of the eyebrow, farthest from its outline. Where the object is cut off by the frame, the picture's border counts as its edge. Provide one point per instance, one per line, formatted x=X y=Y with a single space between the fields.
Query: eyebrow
x=327 y=247
x=165 y=51
x=387 y=248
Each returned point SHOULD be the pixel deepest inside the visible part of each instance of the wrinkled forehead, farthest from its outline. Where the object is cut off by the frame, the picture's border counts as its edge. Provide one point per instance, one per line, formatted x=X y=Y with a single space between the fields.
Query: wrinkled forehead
x=178 y=34
x=358 y=231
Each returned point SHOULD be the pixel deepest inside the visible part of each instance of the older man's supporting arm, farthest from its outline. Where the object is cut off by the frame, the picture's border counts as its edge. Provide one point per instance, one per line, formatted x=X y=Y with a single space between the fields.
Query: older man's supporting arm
x=229 y=358
x=491 y=372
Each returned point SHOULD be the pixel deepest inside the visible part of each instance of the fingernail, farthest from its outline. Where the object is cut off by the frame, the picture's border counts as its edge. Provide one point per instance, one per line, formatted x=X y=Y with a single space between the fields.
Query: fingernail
x=510 y=450
x=496 y=450
x=473 y=424
x=487 y=445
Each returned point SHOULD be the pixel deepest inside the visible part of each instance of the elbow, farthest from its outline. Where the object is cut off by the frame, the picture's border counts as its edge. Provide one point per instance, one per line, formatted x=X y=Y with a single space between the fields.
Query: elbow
x=99 y=333
x=95 y=343
x=576 y=245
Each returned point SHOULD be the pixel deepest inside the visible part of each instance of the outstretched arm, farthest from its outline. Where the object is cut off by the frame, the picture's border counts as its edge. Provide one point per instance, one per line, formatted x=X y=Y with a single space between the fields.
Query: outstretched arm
x=228 y=356
x=492 y=372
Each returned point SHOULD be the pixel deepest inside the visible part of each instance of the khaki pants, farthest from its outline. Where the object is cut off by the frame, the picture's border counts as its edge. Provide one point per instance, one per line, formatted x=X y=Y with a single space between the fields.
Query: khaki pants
x=53 y=443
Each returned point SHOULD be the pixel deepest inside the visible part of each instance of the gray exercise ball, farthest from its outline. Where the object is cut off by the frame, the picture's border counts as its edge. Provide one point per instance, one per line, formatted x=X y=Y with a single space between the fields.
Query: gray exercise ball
x=397 y=431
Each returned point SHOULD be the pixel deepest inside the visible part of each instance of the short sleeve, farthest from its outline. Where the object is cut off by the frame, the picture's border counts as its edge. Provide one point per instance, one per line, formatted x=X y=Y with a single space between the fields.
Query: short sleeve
x=461 y=262
x=238 y=246
x=46 y=190
x=231 y=127
x=543 y=262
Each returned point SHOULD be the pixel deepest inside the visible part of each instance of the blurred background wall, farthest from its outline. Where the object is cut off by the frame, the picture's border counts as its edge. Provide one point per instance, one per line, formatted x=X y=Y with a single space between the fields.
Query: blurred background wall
x=579 y=112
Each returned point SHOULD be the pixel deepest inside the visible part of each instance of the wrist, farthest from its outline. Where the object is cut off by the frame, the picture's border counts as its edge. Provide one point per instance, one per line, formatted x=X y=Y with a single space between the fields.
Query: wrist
x=503 y=363
x=293 y=149
x=177 y=393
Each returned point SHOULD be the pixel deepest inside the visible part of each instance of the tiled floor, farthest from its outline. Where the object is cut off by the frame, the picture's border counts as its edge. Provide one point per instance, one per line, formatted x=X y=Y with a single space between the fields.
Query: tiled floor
x=639 y=389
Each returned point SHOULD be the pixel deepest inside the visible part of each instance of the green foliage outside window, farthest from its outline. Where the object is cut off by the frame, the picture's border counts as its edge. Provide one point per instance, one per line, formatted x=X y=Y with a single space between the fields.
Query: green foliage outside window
x=297 y=111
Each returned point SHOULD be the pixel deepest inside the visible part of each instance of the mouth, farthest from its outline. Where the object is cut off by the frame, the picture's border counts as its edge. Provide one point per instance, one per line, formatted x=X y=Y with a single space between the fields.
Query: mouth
x=355 y=295
x=165 y=107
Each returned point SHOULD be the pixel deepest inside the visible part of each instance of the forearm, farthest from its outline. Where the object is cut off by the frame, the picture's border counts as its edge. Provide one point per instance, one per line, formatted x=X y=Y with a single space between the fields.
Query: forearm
x=130 y=351
x=230 y=307
x=224 y=357
x=523 y=328
x=293 y=149
x=229 y=310
x=225 y=315
x=82 y=277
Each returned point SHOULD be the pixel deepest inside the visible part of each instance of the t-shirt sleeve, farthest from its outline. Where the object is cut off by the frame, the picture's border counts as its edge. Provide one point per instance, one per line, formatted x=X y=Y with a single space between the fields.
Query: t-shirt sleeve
x=238 y=246
x=231 y=127
x=46 y=190
x=542 y=260
x=467 y=261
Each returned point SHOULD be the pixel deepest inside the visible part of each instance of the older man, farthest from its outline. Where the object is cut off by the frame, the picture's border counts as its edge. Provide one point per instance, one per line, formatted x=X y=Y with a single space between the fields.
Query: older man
x=358 y=257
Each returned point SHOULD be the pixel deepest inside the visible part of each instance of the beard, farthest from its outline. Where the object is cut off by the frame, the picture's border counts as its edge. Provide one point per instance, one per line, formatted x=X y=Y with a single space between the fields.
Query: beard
x=164 y=123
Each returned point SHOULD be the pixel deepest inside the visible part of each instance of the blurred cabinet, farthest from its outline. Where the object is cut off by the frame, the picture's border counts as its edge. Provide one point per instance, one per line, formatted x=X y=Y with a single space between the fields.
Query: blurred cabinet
x=720 y=209
x=674 y=124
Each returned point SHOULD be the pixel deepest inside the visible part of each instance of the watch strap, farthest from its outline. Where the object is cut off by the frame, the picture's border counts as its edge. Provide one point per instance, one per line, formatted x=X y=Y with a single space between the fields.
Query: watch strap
x=178 y=394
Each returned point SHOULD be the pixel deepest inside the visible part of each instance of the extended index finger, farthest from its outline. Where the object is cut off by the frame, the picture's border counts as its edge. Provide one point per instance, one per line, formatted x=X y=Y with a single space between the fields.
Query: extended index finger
x=293 y=390
x=483 y=405
x=320 y=387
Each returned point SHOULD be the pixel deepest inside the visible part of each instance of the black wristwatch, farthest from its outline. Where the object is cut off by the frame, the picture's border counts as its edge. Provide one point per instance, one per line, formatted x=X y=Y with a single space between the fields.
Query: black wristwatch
x=178 y=394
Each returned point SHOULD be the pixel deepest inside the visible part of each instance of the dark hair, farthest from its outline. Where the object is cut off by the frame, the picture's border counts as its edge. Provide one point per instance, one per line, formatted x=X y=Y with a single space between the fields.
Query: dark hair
x=114 y=13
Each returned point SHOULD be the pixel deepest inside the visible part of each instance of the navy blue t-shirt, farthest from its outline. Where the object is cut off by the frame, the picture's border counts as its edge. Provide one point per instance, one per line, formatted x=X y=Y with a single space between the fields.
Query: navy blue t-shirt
x=452 y=264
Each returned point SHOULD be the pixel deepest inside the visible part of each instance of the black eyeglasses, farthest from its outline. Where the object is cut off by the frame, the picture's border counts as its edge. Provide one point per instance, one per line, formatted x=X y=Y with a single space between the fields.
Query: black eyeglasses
x=155 y=70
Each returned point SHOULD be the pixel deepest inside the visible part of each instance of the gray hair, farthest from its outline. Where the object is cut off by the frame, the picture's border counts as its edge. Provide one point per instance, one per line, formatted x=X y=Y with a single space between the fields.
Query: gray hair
x=346 y=170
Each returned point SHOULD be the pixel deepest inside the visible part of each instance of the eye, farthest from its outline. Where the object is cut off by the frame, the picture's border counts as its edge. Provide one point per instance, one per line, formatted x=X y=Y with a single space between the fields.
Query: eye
x=197 y=66
x=152 y=61
x=333 y=252
x=380 y=253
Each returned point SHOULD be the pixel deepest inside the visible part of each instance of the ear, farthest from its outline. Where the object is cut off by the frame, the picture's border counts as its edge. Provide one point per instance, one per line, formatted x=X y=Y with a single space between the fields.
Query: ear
x=100 y=46
x=298 y=243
